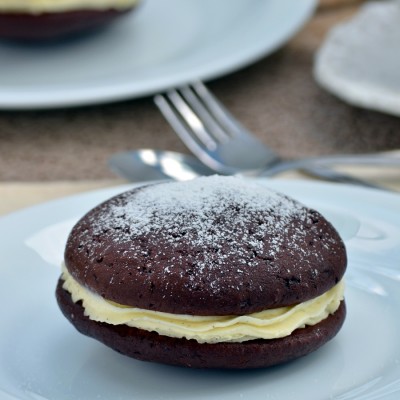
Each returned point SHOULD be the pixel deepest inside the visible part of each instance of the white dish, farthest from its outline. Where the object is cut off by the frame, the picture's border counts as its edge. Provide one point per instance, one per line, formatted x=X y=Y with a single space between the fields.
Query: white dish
x=161 y=45
x=43 y=357
x=360 y=61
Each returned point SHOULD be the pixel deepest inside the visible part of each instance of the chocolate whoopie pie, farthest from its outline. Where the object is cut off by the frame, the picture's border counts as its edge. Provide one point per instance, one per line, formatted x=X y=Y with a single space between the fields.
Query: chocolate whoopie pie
x=34 y=20
x=217 y=272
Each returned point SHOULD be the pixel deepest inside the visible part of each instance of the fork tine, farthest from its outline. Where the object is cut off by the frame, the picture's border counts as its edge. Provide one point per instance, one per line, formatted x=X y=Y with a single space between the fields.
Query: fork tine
x=183 y=130
x=221 y=114
x=205 y=115
x=192 y=121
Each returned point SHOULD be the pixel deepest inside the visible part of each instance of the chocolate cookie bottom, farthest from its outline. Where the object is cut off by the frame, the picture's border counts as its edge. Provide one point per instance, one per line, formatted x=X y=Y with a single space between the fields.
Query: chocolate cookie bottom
x=150 y=346
x=32 y=27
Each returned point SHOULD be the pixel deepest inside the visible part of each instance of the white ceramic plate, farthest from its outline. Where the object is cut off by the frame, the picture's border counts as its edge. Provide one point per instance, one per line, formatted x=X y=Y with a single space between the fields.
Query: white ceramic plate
x=360 y=59
x=43 y=357
x=161 y=45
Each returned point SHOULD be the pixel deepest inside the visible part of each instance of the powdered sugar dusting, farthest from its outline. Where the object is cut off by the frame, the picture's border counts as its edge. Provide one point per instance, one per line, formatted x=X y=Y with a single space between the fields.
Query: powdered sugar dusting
x=196 y=209
x=174 y=209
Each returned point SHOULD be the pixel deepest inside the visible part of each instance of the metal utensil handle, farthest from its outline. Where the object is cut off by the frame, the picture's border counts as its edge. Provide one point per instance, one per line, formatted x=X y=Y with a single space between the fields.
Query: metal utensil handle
x=379 y=160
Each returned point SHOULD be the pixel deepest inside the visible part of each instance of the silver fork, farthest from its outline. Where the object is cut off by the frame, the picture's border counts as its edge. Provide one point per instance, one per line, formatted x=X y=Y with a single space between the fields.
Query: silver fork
x=223 y=144
x=212 y=133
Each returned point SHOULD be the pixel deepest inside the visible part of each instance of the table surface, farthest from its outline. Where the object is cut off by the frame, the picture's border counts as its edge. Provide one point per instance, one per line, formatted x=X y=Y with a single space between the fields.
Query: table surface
x=48 y=154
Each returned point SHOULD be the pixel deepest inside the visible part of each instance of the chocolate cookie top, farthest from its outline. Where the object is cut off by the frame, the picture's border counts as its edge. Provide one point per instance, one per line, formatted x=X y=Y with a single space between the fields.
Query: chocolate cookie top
x=210 y=246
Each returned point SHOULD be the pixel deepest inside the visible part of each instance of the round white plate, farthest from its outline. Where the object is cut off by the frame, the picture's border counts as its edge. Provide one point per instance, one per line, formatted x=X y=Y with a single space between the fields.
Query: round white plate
x=43 y=357
x=161 y=45
x=360 y=60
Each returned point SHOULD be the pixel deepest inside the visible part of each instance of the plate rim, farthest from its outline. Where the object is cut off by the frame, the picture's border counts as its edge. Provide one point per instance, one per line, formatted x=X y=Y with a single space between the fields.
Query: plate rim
x=279 y=182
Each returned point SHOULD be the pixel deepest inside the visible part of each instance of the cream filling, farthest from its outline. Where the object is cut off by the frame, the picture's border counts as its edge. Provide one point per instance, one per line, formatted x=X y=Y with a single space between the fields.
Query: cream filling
x=39 y=6
x=268 y=324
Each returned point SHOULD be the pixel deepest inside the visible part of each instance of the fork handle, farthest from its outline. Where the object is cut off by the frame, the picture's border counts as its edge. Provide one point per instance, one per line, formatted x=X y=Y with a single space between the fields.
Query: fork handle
x=373 y=159
x=336 y=176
